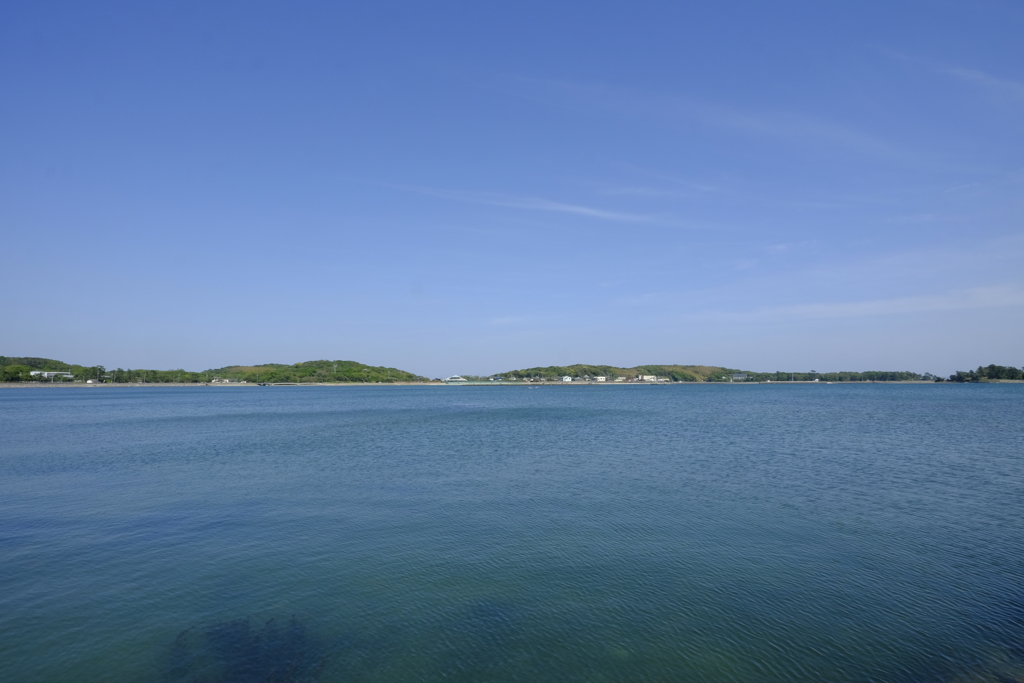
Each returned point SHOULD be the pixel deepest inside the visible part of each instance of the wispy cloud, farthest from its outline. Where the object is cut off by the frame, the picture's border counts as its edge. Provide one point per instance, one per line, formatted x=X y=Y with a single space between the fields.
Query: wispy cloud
x=508 y=320
x=535 y=204
x=638 y=300
x=1000 y=296
x=1002 y=86
x=733 y=190
x=920 y=218
x=671 y=186
x=787 y=247
x=787 y=125
x=657 y=192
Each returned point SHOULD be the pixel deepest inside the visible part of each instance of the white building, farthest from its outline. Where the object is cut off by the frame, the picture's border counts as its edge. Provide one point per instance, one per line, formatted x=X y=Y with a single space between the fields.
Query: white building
x=46 y=374
x=600 y=379
x=567 y=378
x=647 y=378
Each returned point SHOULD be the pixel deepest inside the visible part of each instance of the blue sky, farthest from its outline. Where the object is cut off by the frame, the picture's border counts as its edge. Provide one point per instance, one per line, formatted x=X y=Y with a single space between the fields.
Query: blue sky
x=476 y=187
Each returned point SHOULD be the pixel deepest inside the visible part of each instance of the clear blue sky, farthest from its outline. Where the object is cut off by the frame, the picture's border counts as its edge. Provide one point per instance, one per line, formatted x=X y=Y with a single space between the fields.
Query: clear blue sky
x=475 y=187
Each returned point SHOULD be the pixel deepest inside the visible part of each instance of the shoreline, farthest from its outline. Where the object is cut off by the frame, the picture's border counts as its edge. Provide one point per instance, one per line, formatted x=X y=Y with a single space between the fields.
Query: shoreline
x=80 y=385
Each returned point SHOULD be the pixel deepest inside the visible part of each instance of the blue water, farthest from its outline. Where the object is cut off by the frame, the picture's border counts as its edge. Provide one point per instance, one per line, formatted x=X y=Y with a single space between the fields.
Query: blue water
x=682 y=533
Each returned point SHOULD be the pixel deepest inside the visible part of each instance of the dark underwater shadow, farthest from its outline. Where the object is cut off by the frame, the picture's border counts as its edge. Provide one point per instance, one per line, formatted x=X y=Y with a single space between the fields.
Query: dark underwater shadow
x=479 y=641
x=235 y=652
x=998 y=654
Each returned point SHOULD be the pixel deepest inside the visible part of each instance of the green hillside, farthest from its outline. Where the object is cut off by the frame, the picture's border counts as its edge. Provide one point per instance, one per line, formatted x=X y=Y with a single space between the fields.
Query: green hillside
x=676 y=373
x=315 y=371
x=712 y=373
x=13 y=369
x=19 y=369
x=47 y=364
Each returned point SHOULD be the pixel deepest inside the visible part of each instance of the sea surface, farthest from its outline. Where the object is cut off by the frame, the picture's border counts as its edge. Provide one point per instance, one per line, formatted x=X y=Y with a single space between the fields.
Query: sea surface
x=637 y=533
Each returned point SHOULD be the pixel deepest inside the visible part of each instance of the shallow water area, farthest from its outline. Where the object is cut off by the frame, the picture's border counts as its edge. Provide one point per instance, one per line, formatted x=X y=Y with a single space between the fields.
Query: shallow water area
x=695 y=532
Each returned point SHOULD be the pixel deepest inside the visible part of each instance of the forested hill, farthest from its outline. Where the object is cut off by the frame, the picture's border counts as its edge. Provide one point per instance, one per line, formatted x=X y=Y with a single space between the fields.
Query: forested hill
x=676 y=373
x=315 y=371
x=14 y=369
x=36 y=363
x=711 y=373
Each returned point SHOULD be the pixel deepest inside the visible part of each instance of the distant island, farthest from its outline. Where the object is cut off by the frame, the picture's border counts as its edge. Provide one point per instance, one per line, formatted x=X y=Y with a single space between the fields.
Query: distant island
x=711 y=373
x=700 y=373
x=316 y=371
x=30 y=369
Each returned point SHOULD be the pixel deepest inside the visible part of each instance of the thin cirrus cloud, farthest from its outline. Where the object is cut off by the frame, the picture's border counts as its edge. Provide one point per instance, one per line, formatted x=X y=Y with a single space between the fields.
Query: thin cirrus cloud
x=672 y=109
x=508 y=320
x=1000 y=86
x=1000 y=296
x=787 y=247
x=534 y=204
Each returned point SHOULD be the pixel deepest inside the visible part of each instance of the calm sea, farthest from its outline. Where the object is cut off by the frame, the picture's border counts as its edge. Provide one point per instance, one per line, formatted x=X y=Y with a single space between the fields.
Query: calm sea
x=681 y=533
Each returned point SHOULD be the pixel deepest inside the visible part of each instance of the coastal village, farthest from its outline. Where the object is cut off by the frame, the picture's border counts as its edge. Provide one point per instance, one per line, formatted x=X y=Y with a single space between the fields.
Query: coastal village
x=586 y=379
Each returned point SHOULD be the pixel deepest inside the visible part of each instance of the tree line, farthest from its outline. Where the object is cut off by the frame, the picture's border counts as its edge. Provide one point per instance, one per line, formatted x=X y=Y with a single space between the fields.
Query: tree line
x=676 y=373
x=317 y=371
x=19 y=369
x=708 y=373
x=844 y=376
x=15 y=369
x=986 y=373
x=982 y=374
